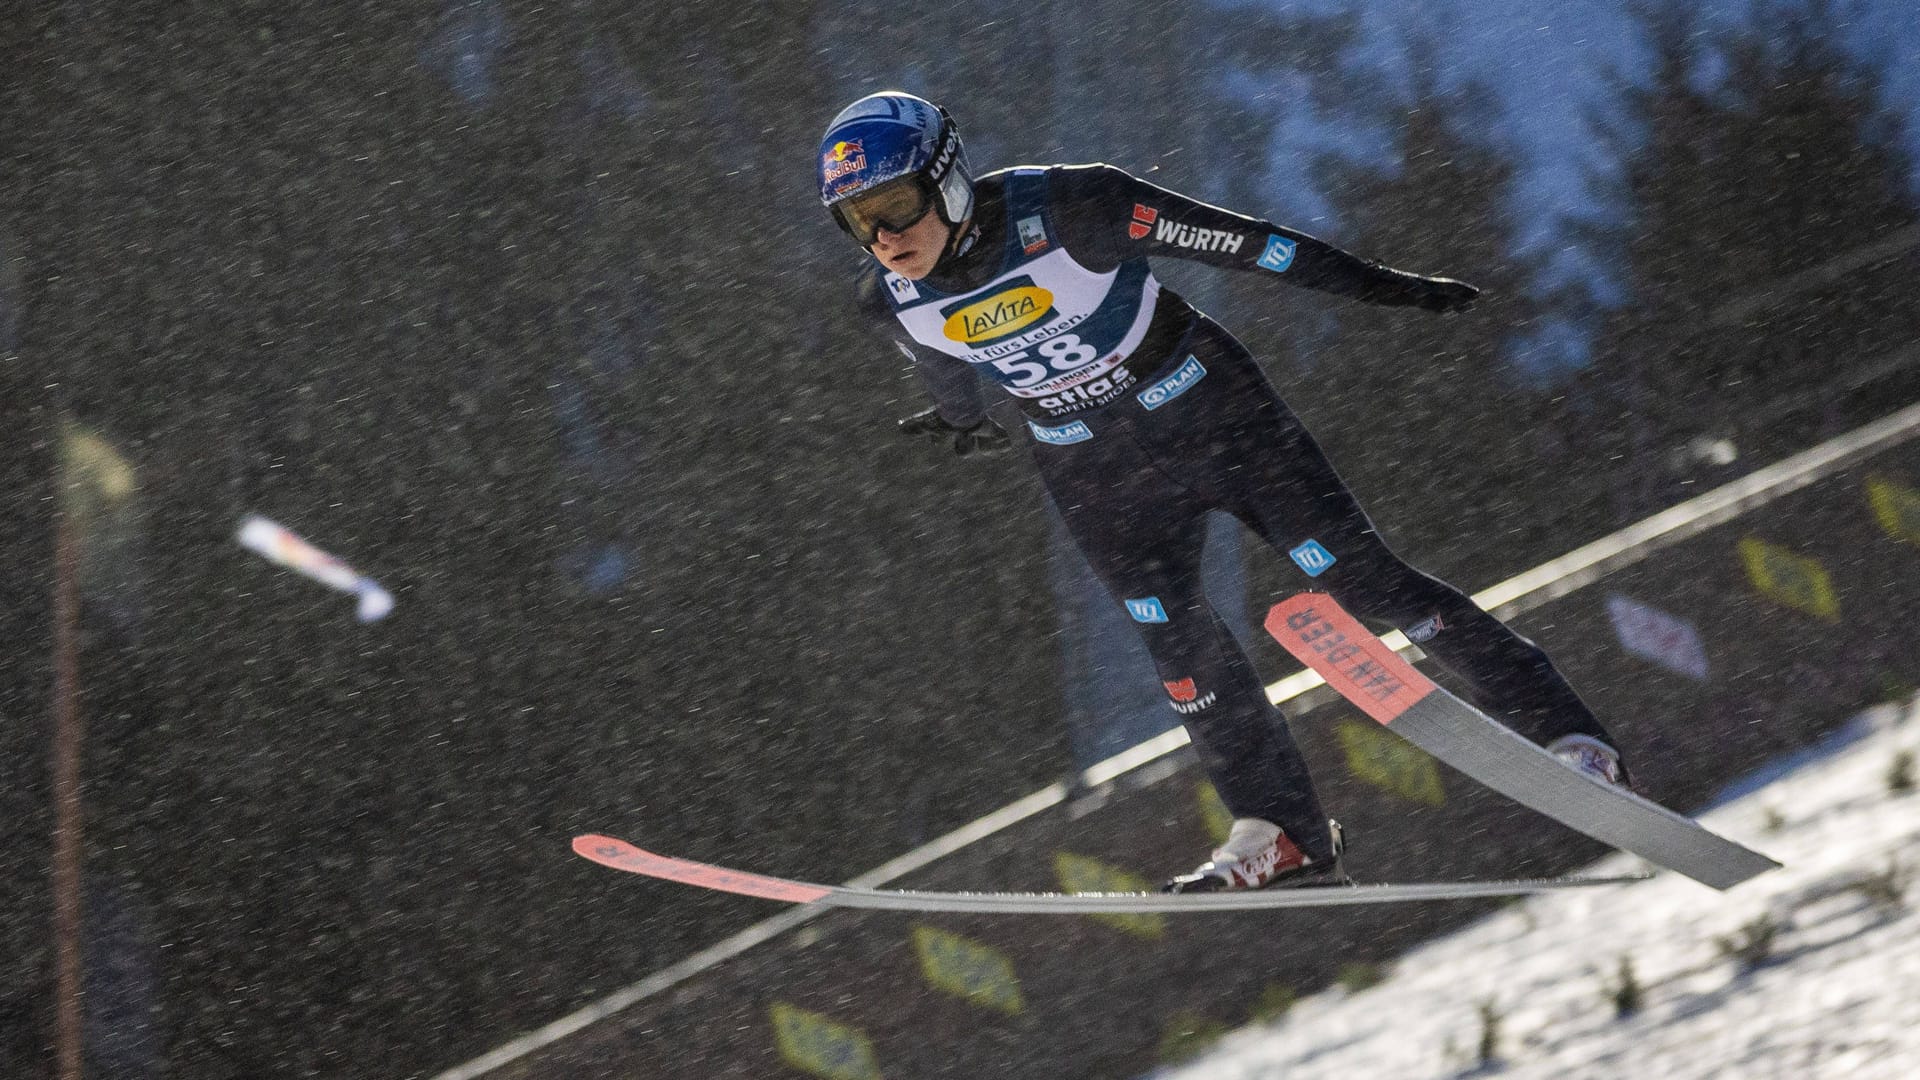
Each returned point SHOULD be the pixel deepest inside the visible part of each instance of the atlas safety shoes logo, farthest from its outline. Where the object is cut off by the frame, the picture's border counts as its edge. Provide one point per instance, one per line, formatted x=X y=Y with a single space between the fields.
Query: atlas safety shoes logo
x=1187 y=698
x=1173 y=385
x=842 y=159
x=1088 y=395
x=1143 y=218
x=1006 y=311
x=1064 y=435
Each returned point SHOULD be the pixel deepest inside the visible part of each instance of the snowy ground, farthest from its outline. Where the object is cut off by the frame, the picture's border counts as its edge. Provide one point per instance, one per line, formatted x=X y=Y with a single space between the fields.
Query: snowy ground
x=1838 y=995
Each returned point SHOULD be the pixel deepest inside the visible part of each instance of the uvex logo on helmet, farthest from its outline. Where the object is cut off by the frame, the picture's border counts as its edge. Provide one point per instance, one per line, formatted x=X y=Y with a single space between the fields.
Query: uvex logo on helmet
x=941 y=161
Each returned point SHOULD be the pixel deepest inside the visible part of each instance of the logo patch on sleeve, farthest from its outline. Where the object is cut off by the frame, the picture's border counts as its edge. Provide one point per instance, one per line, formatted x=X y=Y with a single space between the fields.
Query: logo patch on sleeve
x=1033 y=235
x=1143 y=218
x=1187 y=698
x=1173 y=385
x=1147 y=609
x=1064 y=435
x=1312 y=558
x=1279 y=254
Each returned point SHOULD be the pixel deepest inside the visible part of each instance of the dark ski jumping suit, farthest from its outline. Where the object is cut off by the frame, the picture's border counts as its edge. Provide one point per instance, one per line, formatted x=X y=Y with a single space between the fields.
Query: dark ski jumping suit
x=1146 y=414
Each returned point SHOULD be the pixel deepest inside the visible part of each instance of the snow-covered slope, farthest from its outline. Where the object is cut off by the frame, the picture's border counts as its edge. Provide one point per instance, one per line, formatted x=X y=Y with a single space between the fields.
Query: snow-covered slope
x=1836 y=996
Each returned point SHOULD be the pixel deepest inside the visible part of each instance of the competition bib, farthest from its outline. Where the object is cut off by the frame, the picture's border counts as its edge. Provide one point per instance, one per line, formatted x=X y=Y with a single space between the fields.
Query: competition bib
x=1046 y=328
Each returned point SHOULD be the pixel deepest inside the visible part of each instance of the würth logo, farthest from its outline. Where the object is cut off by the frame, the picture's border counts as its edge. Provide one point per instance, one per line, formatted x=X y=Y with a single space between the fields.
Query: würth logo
x=1187 y=698
x=1143 y=218
x=1192 y=236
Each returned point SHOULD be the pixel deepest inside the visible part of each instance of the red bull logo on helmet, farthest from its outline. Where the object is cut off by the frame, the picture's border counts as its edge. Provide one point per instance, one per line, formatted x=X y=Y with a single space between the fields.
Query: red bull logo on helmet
x=842 y=159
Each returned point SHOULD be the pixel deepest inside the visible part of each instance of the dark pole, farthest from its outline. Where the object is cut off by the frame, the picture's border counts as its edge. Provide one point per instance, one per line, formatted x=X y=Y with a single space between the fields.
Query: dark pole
x=67 y=736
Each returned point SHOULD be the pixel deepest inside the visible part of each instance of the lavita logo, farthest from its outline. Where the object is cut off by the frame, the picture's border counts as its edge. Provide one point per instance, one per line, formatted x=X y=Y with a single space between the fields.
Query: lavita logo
x=1010 y=307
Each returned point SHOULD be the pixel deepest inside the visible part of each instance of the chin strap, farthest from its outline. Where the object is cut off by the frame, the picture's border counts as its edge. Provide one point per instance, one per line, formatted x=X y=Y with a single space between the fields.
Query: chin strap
x=959 y=241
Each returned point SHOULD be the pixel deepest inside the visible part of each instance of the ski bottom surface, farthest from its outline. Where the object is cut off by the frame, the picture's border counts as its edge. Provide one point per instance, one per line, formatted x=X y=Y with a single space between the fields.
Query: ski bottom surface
x=1324 y=636
x=620 y=855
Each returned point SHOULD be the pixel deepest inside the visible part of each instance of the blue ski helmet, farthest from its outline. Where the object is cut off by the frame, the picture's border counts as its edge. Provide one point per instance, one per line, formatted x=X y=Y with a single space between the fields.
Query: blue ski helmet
x=889 y=157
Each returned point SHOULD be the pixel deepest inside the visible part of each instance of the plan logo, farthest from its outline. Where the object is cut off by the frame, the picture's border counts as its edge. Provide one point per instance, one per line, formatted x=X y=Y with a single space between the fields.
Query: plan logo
x=1064 y=435
x=1173 y=385
x=1312 y=558
x=1279 y=254
x=1089 y=394
x=1147 y=609
x=1143 y=218
x=1006 y=311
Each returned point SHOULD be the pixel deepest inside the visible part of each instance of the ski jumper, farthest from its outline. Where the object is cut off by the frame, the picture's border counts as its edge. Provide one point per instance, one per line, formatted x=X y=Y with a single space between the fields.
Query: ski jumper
x=1146 y=414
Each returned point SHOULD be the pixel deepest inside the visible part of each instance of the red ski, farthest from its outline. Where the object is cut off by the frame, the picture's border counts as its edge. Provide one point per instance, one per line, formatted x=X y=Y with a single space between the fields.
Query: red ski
x=608 y=851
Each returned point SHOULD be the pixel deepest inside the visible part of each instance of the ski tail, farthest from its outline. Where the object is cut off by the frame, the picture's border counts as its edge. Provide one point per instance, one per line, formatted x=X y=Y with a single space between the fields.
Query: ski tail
x=1325 y=637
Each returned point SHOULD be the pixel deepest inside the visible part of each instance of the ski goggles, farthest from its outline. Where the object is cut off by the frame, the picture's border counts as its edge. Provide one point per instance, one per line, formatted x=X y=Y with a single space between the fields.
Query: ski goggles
x=896 y=206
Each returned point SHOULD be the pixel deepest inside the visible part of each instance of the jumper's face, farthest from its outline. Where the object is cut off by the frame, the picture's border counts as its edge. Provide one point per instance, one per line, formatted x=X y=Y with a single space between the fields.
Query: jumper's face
x=912 y=251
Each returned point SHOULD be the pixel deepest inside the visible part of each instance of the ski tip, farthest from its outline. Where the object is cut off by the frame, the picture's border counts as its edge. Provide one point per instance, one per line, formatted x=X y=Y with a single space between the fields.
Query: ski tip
x=618 y=854
x=601 y=849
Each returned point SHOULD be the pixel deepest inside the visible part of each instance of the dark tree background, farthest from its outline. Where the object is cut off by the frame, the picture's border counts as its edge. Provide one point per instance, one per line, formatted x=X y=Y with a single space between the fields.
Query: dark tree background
x=1440 y=203
x=1735 y=188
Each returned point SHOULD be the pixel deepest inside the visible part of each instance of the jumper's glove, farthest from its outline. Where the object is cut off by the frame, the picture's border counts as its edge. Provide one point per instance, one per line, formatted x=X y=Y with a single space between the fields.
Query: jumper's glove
x=985 y=437
x=1446 y=295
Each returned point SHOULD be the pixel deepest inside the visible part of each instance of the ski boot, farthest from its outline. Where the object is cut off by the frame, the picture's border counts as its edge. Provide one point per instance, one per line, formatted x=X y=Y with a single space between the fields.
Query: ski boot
x=1258 y=854
x=1591 y=757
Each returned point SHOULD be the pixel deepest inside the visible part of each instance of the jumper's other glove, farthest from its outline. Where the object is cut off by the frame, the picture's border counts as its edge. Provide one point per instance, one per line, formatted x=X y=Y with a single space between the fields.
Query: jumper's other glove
x=985 y=437
x=1446 y=295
